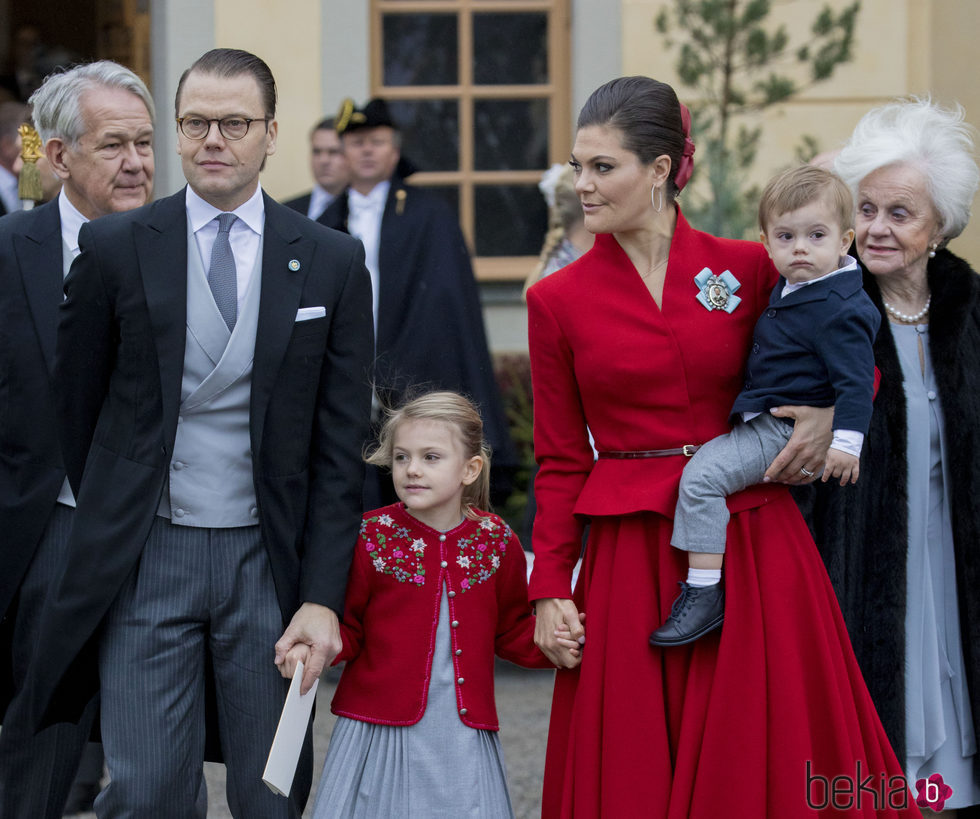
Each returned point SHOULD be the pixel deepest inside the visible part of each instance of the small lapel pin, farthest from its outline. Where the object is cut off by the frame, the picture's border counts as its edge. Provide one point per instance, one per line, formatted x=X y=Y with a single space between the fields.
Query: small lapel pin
x=294 y=265
x=400 y=197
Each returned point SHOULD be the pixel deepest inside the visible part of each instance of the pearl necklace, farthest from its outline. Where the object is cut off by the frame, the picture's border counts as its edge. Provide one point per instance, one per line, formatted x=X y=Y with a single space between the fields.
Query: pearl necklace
x=906 y=318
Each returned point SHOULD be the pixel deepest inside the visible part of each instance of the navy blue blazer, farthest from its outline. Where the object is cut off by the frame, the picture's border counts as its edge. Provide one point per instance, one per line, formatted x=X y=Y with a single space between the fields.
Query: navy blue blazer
x=814 y=348
x=300 y=204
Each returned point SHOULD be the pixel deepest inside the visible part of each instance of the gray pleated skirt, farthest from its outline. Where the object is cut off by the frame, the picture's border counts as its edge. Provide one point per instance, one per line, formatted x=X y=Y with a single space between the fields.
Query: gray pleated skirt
x=438 y=767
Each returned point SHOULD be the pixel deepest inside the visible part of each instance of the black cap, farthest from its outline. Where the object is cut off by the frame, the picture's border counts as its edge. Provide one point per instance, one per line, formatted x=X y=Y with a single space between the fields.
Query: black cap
x=373 y=115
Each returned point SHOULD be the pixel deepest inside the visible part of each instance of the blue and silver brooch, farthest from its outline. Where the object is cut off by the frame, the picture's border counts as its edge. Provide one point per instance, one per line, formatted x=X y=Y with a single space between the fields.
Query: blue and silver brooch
x=717 y=292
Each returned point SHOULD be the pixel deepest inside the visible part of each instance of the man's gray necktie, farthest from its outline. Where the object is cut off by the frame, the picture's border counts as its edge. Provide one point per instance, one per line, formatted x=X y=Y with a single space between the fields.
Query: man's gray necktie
x=222 y=276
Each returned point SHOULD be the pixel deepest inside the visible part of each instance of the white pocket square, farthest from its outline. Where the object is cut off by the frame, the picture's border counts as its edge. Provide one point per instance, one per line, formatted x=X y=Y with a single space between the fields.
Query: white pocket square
x=307 y=313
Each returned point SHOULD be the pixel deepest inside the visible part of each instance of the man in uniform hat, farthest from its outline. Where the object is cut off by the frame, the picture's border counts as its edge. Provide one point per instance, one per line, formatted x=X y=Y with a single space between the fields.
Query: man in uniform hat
x=330 y=172
x=96 y=121
x=427 y=313
x=214 y=351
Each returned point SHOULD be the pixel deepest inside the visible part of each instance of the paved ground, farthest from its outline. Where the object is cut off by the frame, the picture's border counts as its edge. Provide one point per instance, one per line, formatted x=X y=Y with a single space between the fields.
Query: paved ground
x=523 y=702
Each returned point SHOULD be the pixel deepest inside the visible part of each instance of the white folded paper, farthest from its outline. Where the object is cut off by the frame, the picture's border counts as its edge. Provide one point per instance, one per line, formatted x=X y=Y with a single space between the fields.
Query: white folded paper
x=284 y=753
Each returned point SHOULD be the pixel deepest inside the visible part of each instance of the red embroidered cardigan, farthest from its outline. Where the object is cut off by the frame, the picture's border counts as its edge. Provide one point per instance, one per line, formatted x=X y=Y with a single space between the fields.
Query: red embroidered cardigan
x=392 y=610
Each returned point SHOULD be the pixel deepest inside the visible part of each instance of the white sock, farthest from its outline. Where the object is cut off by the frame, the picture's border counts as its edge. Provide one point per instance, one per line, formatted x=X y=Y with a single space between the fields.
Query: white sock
x=703 y=577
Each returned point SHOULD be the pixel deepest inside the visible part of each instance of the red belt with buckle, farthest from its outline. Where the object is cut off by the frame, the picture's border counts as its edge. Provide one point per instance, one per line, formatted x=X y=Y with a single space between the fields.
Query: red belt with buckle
x=687 y=449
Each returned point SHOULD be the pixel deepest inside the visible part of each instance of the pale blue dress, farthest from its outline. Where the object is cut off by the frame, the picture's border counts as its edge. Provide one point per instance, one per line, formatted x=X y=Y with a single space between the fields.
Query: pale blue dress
x=438 y=767
x=939 y=722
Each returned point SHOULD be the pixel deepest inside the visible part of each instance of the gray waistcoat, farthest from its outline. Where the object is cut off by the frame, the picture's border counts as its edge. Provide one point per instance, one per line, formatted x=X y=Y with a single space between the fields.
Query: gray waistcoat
x=210 y=481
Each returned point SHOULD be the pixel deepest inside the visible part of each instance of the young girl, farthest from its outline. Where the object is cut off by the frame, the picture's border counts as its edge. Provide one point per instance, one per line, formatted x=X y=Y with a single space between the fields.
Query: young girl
x=436 y=588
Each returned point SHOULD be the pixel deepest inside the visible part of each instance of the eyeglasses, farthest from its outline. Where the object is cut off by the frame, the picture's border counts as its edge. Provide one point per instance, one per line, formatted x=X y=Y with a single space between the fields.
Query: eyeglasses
x=229 y=127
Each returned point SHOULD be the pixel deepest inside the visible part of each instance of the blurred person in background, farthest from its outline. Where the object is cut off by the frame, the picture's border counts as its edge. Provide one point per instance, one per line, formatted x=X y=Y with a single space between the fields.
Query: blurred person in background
x=330 y=172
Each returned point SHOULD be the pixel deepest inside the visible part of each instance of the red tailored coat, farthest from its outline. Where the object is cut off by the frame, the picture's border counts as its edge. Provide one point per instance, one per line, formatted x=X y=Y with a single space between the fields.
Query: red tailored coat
x=597 y=357
x=389 y=628
x=751 y=722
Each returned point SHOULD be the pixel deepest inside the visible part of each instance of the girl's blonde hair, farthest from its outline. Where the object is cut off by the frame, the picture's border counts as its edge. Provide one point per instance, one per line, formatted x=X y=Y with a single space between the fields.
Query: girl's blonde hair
x=460 y=413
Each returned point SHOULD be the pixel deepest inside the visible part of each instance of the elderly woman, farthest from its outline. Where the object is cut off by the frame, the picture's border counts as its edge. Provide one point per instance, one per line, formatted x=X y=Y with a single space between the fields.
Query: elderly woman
x=903 y=545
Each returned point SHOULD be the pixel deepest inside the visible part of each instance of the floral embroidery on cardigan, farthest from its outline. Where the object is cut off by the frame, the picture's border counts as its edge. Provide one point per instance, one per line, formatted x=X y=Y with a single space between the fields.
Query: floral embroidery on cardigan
x=480 y=553
x=395 y=551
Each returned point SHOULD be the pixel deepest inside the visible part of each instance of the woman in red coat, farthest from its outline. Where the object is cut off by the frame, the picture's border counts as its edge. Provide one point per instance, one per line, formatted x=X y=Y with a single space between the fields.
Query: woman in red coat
x=643 y=341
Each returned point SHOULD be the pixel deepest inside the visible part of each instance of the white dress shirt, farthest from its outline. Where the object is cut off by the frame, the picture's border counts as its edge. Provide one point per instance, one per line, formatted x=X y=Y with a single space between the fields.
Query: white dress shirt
x=244 y=236
x=320 y=200
x=71 y=222
x=364 y=222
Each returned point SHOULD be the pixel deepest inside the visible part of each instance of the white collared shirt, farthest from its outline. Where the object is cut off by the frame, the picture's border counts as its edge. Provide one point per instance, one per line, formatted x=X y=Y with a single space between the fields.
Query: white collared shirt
x=364 y=222
x=71 y=222
x=8 y=190
x=845 y=262
x=246 y=231
x=320 y=200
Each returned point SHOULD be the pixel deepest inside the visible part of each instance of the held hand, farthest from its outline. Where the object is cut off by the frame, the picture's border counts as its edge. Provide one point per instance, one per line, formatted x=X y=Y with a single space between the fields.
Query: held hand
x=573 y=647
x=841 y=465
x=314 y=632
x=803 y=457
x=554 y=615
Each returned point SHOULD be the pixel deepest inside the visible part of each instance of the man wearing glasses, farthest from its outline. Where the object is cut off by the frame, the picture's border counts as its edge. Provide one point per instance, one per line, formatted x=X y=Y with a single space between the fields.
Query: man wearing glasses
x=214 y=349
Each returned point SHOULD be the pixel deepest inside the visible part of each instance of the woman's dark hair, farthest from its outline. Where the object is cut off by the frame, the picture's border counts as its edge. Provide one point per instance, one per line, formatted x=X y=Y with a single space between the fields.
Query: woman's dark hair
x=646 y=112
x=233 y=62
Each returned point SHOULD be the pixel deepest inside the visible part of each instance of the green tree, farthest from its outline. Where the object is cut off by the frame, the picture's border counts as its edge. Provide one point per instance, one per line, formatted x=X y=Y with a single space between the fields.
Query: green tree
x=737 y=62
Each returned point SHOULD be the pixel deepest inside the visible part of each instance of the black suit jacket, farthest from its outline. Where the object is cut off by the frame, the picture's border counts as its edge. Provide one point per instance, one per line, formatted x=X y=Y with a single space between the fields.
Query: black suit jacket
x=31 y=471
x=119 y=364
x=430 y=321
x=301 y=204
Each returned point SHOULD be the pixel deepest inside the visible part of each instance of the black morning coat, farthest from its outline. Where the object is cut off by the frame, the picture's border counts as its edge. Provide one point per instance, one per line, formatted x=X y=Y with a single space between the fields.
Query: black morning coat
x=118 y=369
x=31 y=469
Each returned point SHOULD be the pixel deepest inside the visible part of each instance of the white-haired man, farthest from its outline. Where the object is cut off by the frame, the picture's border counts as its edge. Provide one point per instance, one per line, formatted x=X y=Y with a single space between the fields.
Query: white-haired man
x=96 y=121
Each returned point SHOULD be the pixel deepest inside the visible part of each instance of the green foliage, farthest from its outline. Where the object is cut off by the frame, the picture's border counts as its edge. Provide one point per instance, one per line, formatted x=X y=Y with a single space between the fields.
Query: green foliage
x=737 y=62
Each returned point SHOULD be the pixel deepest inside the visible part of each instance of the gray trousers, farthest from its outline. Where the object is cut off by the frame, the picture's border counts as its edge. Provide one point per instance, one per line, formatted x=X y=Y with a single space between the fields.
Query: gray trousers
x=196 y=592
x=36 y=770
x=723 y=466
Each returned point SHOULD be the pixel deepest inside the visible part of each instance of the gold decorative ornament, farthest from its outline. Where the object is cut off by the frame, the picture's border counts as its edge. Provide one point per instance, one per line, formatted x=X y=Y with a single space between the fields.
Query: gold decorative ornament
x=347 y=116
x=29 y=183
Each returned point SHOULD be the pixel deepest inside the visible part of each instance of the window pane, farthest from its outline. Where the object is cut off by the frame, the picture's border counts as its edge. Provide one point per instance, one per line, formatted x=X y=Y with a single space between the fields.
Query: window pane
x=430 y=132
x=420 y=49
x=511 y=220
x=510 y=135
x=510 y=49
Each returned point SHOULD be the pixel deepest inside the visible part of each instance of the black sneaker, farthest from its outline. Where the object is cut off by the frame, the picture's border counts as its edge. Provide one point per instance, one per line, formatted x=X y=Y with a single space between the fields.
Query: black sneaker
x=695 y=612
